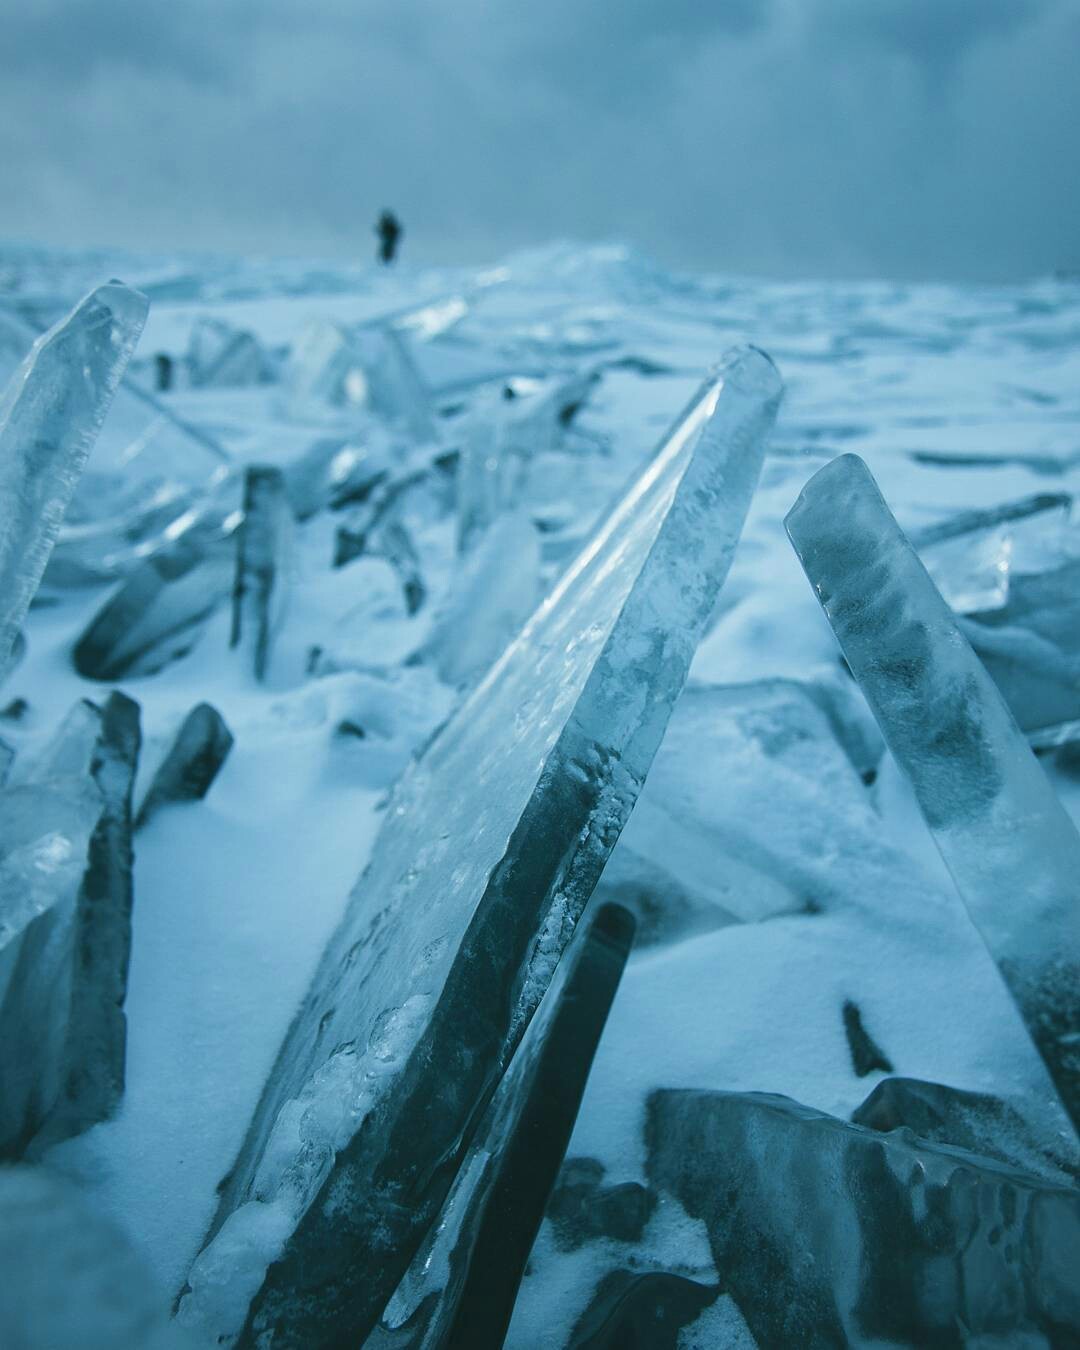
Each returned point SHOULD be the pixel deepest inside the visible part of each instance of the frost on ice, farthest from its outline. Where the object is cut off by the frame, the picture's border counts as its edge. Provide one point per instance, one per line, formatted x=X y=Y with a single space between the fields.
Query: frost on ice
x=50 y=415
x=352 y=1152
x=1004 y=835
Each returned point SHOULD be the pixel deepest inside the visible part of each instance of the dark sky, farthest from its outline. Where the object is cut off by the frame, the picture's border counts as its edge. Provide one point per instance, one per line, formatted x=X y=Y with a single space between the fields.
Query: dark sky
x=908 y=138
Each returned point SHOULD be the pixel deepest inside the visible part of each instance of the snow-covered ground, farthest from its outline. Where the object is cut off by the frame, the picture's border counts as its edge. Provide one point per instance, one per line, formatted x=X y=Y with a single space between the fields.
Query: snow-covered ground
x=827 y=888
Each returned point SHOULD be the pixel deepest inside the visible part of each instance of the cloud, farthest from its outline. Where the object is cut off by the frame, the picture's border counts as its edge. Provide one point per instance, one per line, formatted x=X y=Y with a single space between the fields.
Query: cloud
x=904 y=137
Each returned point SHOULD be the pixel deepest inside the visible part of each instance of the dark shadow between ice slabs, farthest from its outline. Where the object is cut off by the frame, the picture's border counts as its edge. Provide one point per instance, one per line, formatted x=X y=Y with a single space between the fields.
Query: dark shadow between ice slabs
x=492 y=844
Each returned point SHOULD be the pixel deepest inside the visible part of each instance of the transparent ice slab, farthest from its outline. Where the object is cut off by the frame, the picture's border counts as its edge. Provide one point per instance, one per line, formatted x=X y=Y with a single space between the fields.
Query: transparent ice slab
x=491 y=846
x=50 y=415
x=1006 y=839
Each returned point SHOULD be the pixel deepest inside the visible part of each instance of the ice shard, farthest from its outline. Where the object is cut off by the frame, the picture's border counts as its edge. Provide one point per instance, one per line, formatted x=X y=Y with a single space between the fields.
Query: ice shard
x=1031 y=647
x=460 y=1291
x=158 y=613
x=825 y=1233
x=335 y=472
x=492 y=844
x=1006 y=839
x=973 y=555
x=50 y=414
x=264 y=545
x=192 y=763
x=71 y=1277
x=65 y=934
x=220 y=356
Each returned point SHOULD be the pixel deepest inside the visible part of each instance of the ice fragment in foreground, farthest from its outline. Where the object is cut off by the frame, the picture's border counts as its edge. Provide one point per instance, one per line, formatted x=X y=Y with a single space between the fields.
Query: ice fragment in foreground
x=460 y=1291
x=264 y=545
x=50 y=414
x=825 y=1233
x=201 y=747
x=71 y=1278
x=1011 y=849
x=65 y=928
x=492 y=844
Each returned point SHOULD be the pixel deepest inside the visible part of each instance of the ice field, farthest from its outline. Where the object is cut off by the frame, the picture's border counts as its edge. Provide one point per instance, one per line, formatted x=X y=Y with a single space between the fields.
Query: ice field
x=425 y=613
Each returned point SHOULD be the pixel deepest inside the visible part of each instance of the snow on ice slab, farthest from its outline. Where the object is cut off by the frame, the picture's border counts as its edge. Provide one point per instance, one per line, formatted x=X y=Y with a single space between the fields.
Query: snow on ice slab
x=50 y=416
x=492 y=844
x=1006 y=839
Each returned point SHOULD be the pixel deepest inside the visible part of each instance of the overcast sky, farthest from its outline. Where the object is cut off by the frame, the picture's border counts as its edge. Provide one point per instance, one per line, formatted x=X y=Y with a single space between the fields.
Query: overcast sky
x=908 y=138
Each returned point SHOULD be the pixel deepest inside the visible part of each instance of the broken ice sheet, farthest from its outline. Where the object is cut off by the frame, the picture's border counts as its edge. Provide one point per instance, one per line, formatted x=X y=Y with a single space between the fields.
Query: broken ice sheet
x=1006 y=839
x=1031 y=647
x=825 y=1233
x=972 y=556
x=50 y=415
x=409 y=1024
x=748 y=780
x=263 y=563
x=67 y=835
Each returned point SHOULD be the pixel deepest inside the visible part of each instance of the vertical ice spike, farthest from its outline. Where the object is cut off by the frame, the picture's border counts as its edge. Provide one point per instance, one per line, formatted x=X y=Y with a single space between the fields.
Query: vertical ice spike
x=262 y=560
x=50 y=415
x=1006 y=839
x=490 y=848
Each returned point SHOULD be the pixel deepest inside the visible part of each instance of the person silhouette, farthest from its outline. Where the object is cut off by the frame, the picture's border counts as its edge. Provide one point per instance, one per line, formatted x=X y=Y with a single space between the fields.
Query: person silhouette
x=389 y=230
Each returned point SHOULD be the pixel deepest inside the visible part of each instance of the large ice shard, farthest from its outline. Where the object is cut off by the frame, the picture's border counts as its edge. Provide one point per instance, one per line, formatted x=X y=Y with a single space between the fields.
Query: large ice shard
x=66 y=841
x=50 y=415
x=492 y=844
x=1006 y=839
x=461 y=1288
x=71 y=1277
x=264 y=545
x=825 y=1233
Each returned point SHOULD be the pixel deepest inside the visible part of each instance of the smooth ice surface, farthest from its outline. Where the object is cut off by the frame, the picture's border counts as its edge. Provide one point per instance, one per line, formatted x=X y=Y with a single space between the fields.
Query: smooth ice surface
x=1004 y=835
x=584 y=693
x=825 y=1233
x=50 y=415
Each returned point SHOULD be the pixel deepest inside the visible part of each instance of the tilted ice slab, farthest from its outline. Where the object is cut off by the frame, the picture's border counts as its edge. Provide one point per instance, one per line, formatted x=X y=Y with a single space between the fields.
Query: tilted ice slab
x=49 y=417
x=1011 y=849
x=492 y=844
x=829 y=1234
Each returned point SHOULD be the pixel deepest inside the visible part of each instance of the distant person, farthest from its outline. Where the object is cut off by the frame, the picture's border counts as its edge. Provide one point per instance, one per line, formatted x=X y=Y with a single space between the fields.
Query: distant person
x=389 y=231
x=164 y=372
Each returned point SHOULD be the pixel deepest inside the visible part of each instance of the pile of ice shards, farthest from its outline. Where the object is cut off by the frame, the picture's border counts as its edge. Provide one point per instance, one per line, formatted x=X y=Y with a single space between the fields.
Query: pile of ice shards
x=652 y=1018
